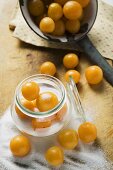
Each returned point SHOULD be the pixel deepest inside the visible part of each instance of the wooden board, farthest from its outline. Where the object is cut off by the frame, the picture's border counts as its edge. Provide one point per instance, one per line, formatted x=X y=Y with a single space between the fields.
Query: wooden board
x=19 y=60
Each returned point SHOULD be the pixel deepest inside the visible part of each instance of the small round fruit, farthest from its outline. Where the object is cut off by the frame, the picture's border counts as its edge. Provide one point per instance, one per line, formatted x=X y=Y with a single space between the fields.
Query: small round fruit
x=55 y=11
x=47 y=25
x=94 y=74
x=70 y=60
x=68 y=138
x=59 y=28
x=72 y=10
x=54 y=156
x=87 y=132
x=20 y=146
x=36 y=7
x=38 y=123
x=46 y=101
x=61 y=2
x=74 y=74
x=73 y=26
x=48 y=68
x=28 y=105
x=30 y=90
x=60 y=114
x=83 y=3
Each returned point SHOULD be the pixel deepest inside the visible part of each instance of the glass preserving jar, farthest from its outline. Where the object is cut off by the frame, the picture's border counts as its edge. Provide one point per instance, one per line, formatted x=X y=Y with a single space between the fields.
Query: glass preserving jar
x=59 y=116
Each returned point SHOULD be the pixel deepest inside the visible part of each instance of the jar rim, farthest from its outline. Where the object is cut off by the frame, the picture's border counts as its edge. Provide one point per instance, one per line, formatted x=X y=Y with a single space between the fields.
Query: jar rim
x=46 y=113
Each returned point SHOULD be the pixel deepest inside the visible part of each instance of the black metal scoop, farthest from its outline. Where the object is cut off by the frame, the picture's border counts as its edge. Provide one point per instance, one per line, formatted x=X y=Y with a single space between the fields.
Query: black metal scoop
x=80 y=39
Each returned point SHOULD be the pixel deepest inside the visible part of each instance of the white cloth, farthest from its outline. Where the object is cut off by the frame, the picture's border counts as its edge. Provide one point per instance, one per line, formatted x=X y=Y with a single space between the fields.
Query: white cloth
x=110 y=2
x=84 y=157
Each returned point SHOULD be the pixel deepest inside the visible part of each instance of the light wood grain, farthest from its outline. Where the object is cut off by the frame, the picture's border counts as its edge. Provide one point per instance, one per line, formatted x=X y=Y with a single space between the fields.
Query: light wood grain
x=19 y=60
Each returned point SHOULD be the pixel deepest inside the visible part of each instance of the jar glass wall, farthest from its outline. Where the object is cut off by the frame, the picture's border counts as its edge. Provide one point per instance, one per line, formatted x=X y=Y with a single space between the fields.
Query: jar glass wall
x=55 y=119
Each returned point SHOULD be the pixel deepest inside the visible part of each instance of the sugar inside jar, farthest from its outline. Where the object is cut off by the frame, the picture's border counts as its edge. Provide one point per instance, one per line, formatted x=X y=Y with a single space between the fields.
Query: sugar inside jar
x=41 y=106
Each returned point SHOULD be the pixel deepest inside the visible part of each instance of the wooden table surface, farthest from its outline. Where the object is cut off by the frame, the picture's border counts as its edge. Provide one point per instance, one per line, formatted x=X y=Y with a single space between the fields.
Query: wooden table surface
x=19 y=60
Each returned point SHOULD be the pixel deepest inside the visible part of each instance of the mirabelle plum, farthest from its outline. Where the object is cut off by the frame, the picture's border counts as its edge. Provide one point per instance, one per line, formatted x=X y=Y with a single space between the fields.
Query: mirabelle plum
x=68 y=138
x=38 y=123
x=55 y=11
x=46 y=101
x=87 y=132
x=20 y=146
x=72 y=10
x=70 y=60
x=30 y=90
x=94 y=74
x=74 y=74
x=83 y=3
x=73 y=26
x=59 y=28
x=48 y=68
x=47 y=25
x=28 y=105
x=54 y=156
x=36 y=7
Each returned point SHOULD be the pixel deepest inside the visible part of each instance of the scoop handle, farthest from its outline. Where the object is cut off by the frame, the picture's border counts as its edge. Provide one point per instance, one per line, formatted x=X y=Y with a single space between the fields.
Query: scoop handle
x=96 y=58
